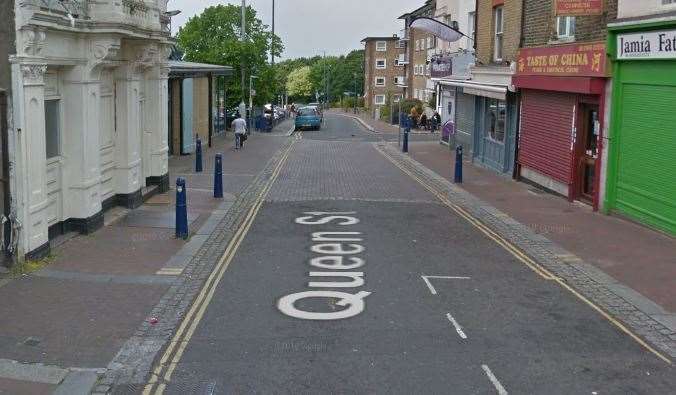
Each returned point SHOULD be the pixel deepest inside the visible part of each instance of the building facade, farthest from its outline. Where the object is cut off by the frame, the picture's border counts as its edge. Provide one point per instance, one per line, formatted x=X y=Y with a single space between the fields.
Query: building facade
x=420 y=46
x=641 y=176
x=89 y=113
x=384 y=76
x=562 y=74
x=498 y=36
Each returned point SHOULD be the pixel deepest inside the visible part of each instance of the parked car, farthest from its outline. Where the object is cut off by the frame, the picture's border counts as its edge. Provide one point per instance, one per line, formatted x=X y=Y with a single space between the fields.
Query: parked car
x=319 y=108
x=308 y=118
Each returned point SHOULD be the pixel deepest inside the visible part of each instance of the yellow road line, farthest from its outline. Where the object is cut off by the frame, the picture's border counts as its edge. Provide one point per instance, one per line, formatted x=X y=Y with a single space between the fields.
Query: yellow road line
x=522 y=257
x=198 y=308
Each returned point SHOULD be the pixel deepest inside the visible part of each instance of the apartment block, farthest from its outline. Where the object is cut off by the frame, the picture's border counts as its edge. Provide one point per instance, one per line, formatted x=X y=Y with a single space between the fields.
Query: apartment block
x=383 y=73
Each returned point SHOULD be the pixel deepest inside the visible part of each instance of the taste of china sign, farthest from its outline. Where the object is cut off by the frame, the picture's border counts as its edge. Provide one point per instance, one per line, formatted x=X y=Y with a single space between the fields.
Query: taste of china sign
x=574 y=60
x=579 y=7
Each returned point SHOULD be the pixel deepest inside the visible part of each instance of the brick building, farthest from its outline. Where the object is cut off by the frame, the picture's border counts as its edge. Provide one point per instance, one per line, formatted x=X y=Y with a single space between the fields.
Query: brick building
x=498 y=35
x=420 y=47
x=383 y=75
x=561 y=75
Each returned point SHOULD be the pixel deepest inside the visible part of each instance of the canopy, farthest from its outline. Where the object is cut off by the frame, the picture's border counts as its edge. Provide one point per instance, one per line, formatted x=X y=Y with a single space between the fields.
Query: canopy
x=439 y=29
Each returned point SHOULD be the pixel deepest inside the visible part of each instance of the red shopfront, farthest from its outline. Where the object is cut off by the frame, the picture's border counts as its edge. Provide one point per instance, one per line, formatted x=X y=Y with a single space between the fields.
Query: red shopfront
x=562 y=106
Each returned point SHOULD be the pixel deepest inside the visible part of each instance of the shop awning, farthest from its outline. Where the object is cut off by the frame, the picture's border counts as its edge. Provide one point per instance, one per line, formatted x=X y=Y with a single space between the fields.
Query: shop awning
x=439 y=29
x=477 y=89
x=191 y=69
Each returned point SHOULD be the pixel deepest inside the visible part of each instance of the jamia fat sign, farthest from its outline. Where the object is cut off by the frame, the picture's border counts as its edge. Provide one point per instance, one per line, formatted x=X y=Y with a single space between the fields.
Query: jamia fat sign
x=647 y=45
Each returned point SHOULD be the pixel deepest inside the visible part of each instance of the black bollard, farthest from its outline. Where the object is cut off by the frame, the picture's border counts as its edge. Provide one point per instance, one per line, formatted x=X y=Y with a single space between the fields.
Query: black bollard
x=458 y=165
x=181 y=210
x=198 y=156
x=407 y=131
x=218 y=177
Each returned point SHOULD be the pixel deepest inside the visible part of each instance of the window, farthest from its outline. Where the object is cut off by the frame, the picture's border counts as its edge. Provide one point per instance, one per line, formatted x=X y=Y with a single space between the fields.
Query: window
x=400 y=44
x=381 y=46
x=380 y=81
x=667 y=2
x=430 y=42
x=396 y=62
x=471 y=18
x=499 y=26
x=565 y=27
x=428 y=69
x=396 y=98
x=53 y=128
x=401 y=80
x=417 y=45
x=381 y=64
x=379 y=99
x=496 y=117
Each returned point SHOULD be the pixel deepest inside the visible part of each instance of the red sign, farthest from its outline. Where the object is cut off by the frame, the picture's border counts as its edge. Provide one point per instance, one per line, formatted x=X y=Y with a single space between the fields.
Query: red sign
x=579 y=7
x=576 y=60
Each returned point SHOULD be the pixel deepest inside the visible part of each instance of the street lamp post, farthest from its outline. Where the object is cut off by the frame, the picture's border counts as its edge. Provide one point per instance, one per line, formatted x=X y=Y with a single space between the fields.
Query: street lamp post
x=355 y=93
x=251 y=78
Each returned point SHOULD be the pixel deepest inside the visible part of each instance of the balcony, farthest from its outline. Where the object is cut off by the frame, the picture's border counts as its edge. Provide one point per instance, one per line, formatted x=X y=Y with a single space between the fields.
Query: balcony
x=147 y=15
x=402 y=60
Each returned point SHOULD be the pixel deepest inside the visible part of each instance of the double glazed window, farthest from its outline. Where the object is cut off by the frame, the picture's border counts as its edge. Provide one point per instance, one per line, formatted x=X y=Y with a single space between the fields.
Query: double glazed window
x=496 y=119
x=379 y=99
x=565 y=27
x=381 y=46
x=380 y=81
x=381 y=63
x=499 y=20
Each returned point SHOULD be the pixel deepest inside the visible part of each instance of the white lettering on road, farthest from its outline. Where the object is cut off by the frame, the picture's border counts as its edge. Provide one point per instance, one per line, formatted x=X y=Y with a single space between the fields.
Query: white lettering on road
x=334 y=249
x=431 y=287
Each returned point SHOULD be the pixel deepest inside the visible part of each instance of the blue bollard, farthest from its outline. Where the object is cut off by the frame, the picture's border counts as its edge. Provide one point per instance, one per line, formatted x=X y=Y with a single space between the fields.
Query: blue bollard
x=181 y=210
x=407 y=131
x=458 y=165
x=218 y=177
x=198 y=156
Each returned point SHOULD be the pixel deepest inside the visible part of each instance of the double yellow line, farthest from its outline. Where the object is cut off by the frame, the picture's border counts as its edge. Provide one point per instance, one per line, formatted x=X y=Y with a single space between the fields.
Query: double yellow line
x=162 y=373
x=520 y=255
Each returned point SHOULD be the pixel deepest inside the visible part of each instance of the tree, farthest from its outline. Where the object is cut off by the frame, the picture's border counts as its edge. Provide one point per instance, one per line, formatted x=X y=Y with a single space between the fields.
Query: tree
x=214 y=37
x=299 y=85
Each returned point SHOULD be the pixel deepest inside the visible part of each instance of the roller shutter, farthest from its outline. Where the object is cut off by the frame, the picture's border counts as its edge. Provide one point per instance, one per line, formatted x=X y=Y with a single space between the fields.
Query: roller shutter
x=546 y=133
x=465 y=120
x=645 y=180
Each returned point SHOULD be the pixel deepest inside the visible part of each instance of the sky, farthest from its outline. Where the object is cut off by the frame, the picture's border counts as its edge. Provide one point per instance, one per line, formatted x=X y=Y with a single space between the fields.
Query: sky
x=310 y=27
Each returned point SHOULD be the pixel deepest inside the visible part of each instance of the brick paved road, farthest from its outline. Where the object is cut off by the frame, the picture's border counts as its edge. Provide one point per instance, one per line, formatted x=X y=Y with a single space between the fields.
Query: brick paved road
x=411 y=298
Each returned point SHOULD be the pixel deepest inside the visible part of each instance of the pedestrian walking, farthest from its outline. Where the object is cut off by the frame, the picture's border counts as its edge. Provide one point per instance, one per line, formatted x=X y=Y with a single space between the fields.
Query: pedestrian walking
x=239 y=126
x=436 y=121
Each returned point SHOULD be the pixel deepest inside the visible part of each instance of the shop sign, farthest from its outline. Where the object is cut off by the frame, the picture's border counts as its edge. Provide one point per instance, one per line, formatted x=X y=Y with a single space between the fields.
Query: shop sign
x=579 y=7
x=574 y=60
x=647 y=45
x=441 y=67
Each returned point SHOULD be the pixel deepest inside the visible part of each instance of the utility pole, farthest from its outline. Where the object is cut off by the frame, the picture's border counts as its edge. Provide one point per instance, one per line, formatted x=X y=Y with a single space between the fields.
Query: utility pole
x=243 y=39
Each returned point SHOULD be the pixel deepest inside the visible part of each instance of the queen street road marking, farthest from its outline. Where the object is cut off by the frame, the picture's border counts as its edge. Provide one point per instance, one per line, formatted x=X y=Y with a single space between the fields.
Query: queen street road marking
x=431 y=287
x=501 y=390
x=457 y=326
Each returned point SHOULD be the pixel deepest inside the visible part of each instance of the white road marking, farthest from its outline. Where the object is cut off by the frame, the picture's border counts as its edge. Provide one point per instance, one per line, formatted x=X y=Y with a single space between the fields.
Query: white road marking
x=457 y=326
x=494 y=380
x=431 y=287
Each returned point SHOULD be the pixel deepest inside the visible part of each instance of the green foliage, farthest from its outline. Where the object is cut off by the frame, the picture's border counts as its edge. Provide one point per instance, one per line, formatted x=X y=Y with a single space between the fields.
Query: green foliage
x=335 y=72
x=299 y=83
x=214 y=37
x=407 y=105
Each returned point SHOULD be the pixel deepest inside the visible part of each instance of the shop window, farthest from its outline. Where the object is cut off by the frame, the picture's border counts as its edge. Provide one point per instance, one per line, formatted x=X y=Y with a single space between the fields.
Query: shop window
x=53 y=128
x=565 y=27
x=496 y=118
x=499 y=31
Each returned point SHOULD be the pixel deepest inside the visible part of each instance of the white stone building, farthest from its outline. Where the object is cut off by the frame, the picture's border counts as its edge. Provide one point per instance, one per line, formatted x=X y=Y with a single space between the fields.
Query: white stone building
x=88 y=114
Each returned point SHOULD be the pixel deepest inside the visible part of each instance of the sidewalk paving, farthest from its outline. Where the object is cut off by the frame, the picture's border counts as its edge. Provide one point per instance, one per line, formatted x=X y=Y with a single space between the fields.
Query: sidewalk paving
x=636 y=256
x=97 y=290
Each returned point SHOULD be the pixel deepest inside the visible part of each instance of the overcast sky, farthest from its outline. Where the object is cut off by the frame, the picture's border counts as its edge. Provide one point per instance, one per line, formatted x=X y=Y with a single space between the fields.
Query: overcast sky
x=309 y=27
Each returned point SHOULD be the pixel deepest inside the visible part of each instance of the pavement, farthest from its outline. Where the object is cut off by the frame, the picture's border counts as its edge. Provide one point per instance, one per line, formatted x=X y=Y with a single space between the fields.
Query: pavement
x=336 y=264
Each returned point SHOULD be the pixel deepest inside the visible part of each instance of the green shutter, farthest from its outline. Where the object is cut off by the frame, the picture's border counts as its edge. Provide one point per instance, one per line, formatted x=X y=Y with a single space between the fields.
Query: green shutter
x=643 y=178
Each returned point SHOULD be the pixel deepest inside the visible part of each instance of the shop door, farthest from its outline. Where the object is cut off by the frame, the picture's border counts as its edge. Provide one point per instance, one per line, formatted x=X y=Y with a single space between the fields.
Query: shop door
x=587 y=152
x=494 y=137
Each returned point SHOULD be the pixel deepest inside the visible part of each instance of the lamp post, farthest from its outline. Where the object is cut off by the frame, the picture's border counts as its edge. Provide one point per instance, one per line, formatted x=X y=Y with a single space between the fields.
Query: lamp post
x=355 y=93
x=251 y=78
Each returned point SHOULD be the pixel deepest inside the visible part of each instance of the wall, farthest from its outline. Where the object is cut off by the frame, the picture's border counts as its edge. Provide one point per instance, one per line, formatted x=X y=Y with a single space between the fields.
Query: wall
x=636 y=8
x=486 y=28
x=540 y=26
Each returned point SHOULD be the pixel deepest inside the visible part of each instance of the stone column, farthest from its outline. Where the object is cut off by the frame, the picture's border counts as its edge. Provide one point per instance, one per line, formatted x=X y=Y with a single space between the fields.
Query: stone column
x=81 y=149
x=32 y=161
x=128 y=183
x=157 y=106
